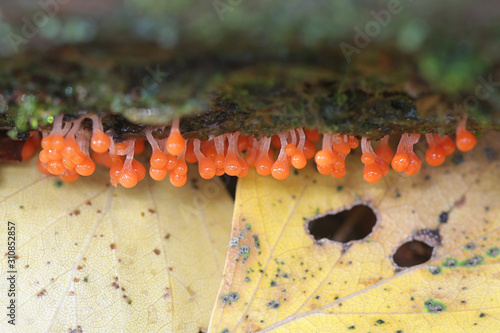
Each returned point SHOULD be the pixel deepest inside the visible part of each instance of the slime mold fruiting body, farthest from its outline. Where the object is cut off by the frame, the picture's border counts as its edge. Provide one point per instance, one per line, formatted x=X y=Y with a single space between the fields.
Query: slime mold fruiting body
x=70 y=151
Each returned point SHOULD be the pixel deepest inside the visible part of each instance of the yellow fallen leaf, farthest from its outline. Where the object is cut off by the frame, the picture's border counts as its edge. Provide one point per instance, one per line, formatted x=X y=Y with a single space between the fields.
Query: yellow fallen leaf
x=93 y=258
x=279 y=279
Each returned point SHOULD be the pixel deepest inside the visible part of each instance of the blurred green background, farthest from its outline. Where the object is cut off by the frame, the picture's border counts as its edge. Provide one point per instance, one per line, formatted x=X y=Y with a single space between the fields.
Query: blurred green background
x=454 y=39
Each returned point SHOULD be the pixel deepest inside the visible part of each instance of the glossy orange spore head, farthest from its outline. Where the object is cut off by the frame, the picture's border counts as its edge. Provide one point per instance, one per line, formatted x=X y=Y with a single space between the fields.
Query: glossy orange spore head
x=100 y=142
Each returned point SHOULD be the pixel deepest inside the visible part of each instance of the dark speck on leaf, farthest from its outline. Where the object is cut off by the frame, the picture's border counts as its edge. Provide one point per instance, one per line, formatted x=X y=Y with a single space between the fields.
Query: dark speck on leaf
x=474 y=261
x=457 y=159
x=434 y=270
x=470 y=246
x=274 y=304
x=450 y=262
x=490 y=154
x=229 y=298
x=345 y=247
x=434 y=306
x=58 y=183
x=256 y=241
x=429 y=236
x=493 y=252
x=443 y=217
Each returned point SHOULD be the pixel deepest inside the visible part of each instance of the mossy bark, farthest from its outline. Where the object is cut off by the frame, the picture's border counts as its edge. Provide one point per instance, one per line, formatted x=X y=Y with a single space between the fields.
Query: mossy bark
x=381 y=92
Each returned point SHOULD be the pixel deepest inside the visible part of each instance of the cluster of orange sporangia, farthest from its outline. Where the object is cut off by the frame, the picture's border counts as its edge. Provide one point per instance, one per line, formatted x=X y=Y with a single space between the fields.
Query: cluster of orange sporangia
x=70 y=151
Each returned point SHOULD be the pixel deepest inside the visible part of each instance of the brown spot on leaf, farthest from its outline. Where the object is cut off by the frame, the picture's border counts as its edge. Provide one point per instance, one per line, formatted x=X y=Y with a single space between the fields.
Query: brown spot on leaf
x=76 y=212
x=460 y=201
x=43 y=292
x=78 y=329
x=190 y=291
x=112 y=246
x=368 y=281
x=156 y=251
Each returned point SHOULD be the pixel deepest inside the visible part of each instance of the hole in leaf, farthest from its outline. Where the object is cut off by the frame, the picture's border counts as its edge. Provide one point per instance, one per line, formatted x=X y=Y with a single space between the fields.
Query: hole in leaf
x=412 y=253
x=347 y=225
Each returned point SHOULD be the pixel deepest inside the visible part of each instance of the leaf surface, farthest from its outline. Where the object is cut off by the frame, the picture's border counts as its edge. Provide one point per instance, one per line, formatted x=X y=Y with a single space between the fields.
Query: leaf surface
x=278 y=278
x=93 y=258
